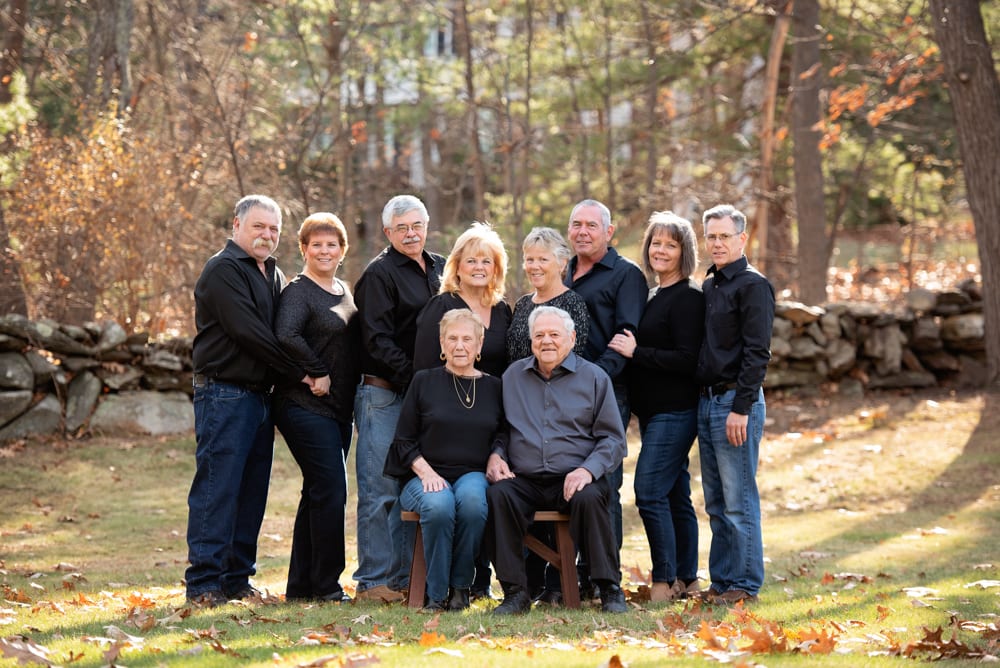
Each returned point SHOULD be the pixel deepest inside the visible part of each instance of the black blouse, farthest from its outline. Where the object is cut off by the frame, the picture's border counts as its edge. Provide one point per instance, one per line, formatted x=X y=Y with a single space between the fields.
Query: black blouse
x=427 y=351
x=434 y=422
x=321 y=332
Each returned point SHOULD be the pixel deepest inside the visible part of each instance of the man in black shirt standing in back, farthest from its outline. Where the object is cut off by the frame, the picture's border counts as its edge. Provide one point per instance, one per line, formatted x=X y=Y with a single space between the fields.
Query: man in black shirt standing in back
x=393 y=289
x=739 y=312
x=236 y=361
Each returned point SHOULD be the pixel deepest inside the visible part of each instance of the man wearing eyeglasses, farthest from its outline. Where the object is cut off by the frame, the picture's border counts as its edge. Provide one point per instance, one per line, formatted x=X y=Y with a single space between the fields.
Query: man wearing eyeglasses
x=390 y=294
x=739 y=311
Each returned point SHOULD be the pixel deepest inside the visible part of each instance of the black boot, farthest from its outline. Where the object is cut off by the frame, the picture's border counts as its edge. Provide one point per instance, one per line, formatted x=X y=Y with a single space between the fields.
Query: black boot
x=515 y=600
x=612 y=597
x=459 y=600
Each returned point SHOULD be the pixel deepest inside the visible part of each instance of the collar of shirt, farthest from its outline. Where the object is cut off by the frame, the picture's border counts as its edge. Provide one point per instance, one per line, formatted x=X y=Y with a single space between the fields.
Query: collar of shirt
x=240 y=254
x=729 y=270
x=607 y=262
x=568 y=365
x=401 y=260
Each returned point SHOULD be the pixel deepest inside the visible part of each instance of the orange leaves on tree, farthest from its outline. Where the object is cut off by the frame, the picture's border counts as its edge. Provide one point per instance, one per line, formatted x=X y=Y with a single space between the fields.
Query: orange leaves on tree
x=846 y=99
x=359 y=132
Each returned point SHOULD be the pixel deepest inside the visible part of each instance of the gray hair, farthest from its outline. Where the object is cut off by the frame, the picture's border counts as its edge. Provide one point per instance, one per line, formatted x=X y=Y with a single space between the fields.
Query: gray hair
x=243 y=207
x=605 y=212
x=549 y=239
x=678 y=229
x=401 y=204
x=726 y=211
x=551 y=310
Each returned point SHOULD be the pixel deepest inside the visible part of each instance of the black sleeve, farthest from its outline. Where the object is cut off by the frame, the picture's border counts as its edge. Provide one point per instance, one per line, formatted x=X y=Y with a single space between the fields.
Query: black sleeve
x=240 y=318
x=427 y=348
x=376 y=298
x=406 y=443
x=757 y=319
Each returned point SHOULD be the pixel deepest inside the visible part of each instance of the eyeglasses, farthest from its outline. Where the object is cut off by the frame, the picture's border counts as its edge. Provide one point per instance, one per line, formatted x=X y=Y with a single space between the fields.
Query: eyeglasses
x=723 y=237
x=403 y=228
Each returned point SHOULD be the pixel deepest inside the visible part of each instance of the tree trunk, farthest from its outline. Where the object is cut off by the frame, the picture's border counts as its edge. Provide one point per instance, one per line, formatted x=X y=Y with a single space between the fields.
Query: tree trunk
x=12 y=21
x=975 y=97
x=765 y=186
x=12 y=298
x=478 y=170
x=108 y=53
x=808 y=165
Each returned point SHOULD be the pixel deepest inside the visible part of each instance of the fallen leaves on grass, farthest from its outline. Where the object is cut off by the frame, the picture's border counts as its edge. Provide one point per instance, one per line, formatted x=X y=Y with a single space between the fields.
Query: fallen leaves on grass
x=25 y=651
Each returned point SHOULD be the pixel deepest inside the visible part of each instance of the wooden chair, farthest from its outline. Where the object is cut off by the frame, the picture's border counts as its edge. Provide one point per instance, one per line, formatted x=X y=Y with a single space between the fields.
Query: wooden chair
x=563 y=558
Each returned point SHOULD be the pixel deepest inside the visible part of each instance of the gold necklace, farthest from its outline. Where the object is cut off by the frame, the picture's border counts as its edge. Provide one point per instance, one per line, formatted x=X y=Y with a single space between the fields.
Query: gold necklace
x=468 y=401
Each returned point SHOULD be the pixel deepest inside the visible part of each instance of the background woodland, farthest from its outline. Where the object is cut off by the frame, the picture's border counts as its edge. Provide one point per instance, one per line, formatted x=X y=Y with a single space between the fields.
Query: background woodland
x=130 y=128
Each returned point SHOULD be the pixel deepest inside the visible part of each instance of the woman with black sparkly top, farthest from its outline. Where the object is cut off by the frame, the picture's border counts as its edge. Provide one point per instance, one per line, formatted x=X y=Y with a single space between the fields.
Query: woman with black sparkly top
x=450 y=418
x=317 y=325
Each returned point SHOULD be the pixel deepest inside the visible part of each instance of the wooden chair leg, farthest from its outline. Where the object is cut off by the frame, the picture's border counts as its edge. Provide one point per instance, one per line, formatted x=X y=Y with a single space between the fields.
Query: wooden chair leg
x=567 y=565
x=418 y=571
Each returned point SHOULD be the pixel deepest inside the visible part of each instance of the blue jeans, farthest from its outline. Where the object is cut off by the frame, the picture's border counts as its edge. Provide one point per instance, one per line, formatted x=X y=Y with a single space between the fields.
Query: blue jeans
x=317 y=443
x=663 y=494
x=452 y=522
x=235 y=444
x=383 y=557
x=729 y=479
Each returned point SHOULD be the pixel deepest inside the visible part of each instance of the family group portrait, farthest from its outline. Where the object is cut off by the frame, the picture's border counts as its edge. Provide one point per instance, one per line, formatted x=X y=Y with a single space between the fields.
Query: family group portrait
x=532 y=333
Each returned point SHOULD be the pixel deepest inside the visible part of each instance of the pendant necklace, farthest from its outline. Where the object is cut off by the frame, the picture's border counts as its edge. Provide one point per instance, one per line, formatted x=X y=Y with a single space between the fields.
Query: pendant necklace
x=469 y=398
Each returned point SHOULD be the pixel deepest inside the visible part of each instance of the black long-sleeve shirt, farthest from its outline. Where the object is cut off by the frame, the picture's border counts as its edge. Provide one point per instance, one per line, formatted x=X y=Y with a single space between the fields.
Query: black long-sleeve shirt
x=615 y=292
x=320 y=331
x=436 y=424
x=427 y=349
x=668 y=340
x=739 y=313
x=390 y=295
x=234 y=309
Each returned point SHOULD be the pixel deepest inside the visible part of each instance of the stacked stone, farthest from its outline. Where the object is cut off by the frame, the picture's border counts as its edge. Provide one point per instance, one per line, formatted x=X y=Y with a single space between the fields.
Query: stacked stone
x=64 y=379
x=936 y=339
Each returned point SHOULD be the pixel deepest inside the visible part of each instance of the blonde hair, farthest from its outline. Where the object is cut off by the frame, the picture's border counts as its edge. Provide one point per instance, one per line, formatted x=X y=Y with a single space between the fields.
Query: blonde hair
x=322 y=222
x=479 y=239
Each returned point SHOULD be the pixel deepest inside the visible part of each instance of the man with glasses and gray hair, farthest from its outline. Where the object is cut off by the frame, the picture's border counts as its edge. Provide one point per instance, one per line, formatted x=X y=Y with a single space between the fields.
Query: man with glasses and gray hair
x=390 y=294
x=739 y=312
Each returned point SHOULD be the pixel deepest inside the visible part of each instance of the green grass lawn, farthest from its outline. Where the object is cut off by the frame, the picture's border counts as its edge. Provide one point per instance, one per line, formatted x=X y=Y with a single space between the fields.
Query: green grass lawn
x=881 y=519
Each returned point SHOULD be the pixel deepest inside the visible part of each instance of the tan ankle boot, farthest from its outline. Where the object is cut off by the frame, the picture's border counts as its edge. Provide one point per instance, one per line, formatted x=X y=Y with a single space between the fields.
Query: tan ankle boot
x=661 y=592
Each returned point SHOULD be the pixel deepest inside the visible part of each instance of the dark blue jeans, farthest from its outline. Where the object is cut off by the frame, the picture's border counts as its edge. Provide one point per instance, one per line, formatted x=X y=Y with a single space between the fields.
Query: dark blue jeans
x=226 y=504
x=318 y=445
x=663 y=494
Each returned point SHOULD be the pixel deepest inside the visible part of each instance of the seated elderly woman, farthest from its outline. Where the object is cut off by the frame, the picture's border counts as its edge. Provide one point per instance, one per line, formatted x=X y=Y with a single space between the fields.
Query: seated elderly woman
x=449 y=420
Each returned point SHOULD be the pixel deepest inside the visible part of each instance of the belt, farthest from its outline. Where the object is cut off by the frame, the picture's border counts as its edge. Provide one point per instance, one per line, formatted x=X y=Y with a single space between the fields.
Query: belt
x=717 y=389
x=200 y=379
x=369 y=379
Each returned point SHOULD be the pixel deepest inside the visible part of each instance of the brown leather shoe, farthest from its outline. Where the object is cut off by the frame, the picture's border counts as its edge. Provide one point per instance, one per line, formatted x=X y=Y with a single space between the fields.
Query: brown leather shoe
x=380 y=594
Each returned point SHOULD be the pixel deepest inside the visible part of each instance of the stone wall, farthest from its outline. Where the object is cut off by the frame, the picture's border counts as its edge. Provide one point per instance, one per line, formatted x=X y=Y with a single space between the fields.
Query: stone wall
x=67 y=380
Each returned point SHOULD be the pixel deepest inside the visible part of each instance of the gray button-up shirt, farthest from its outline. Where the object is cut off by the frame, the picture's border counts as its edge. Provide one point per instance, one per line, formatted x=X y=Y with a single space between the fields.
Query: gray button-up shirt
x=561 y=423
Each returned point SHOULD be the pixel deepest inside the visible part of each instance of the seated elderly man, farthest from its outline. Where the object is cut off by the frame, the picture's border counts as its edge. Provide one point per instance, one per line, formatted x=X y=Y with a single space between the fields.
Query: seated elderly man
x=565 y=435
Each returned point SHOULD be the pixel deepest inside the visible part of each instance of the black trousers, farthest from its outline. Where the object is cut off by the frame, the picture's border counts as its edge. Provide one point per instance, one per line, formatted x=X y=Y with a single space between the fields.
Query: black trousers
x=512 y=503
x=319 y=445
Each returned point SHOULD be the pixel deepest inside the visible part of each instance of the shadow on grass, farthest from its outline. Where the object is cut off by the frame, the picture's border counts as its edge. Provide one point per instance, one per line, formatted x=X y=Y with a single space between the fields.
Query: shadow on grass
x=964 y=496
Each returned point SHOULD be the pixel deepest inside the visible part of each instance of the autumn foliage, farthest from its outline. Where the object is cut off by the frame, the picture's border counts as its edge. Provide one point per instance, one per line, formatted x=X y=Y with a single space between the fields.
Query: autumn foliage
x=94 y=218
